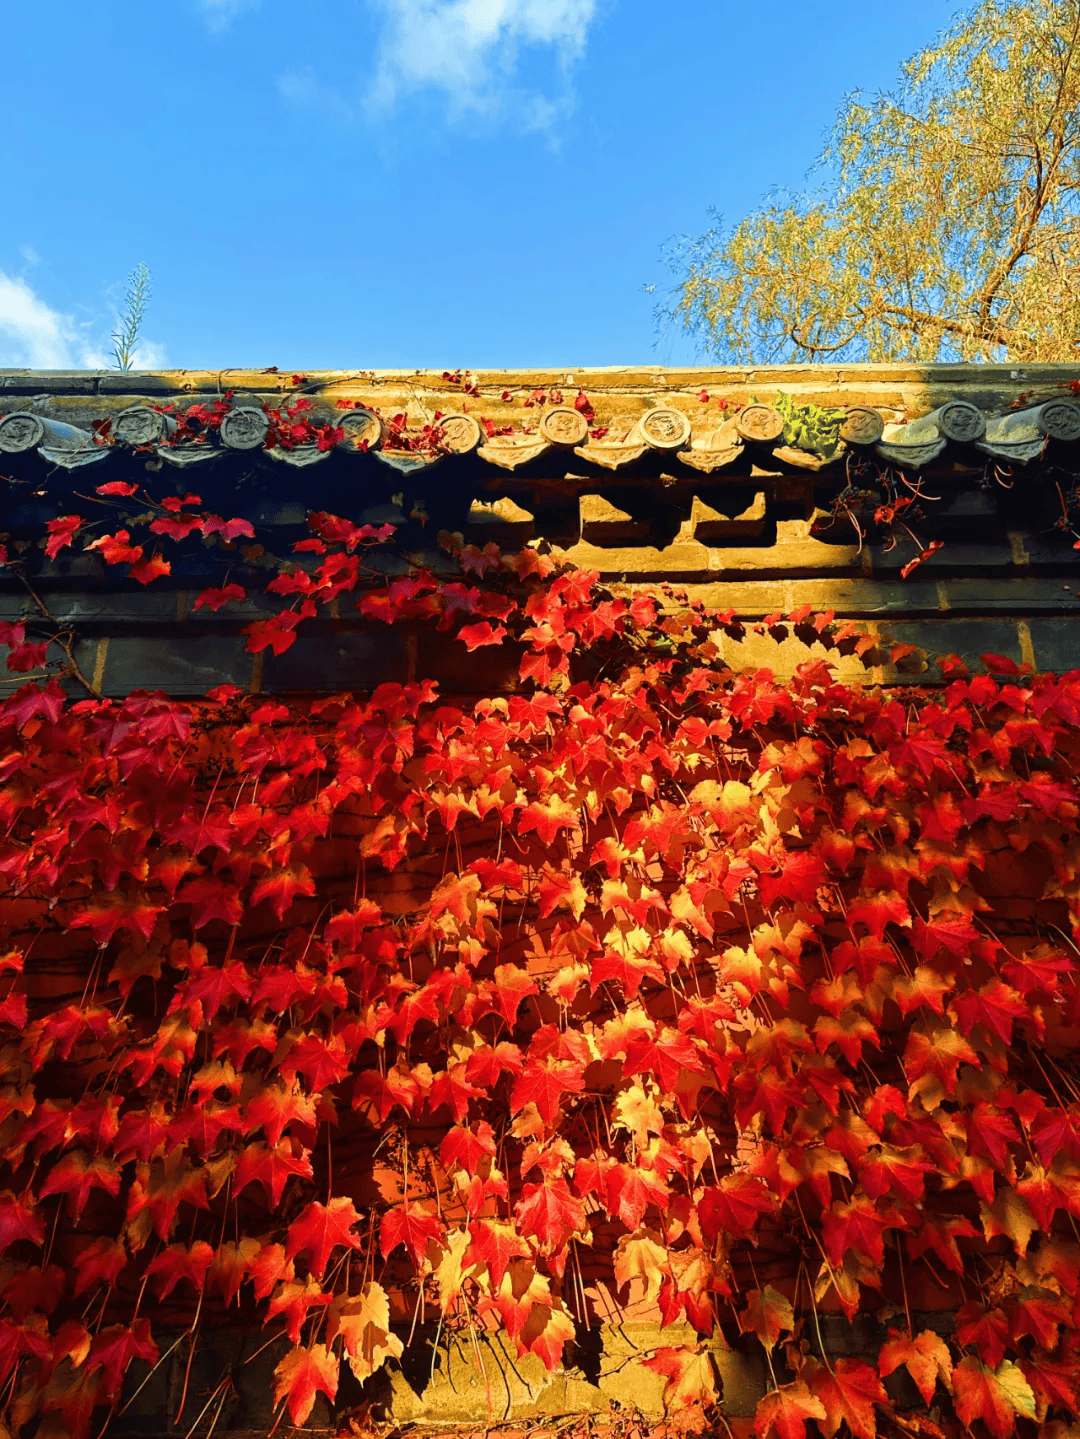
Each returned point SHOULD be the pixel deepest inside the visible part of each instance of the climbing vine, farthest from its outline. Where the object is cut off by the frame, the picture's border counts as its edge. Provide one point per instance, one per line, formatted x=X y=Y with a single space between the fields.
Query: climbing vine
x=634 y=985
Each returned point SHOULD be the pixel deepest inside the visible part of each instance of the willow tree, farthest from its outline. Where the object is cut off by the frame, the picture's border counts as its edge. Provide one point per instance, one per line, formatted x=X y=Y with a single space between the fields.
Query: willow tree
x=946 y=224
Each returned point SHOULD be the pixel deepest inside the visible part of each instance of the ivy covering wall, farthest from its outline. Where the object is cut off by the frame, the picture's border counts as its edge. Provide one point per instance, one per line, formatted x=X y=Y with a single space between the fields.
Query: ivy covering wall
x=750 y=1002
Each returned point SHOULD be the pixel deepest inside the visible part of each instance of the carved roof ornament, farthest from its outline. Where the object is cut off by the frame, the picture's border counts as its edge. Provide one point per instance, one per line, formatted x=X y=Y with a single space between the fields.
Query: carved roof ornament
x=1021 y=435
x=24 y=431
x=714 y=450
x=611 y=456
x=922 y=440
x=461 y=433
x=565 y=427
x=362 y=428
x=1060 y=420
x=863 y=426
x=665 y=429
x=245 y=428
x=300 y=457
x=406 y=462
x=510 y=452
x=762 y=420
x=760 y=424
x=140 y=425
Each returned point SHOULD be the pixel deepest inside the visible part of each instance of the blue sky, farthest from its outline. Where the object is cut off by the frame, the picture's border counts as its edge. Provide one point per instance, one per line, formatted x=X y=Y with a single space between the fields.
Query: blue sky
x=383 y=183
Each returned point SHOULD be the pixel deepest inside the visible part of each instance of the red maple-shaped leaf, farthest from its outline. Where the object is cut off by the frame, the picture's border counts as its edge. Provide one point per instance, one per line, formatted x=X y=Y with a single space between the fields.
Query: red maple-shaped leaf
x=274 y=1107
x=995 y=1006
x=321 y=1228
x=483 y=633
x=544 y=1082
x=161 y=1186
x=294 y=1299
x=990 y=1132
x=228 y=529
x=20 y=1339
x=512 y=985
x=551 y=1213
x=18 y=1221
x=113 y=1350
x=691 y=1378
x=848 y=1390
x=877 y=910
x=210 y=898
x=996 y=1396
x=303 y=1374
x=117 y=549
x=321 y=1063
x=411 y=1225
x=859 y=1226
x=233 y=1262
x=767 y=1314
x=940 y=1234
x=276 y=633
x=987 y=1329
x=1053 y=1381
x=1053 y=1130
x=1038 y=1312
x=786 y=1410
x=903 y=1171
x=926 y=1358
x=630 y=1190
x=34 y=1288
x=939 y=1054
x=77 y=1173
x=216 y=598
x=272 y=1167
x=495 y=1243
x=268 y=1266
x=548 y=817
x=178 y=1263
x=665 y=1054
x=281 y=887
x=61 y=533
x=546 y=1331
x=99 y=1262
x=146 y=570
x=467 y=1146
x=104 y=915
x=177 y=527
x=734 y=1206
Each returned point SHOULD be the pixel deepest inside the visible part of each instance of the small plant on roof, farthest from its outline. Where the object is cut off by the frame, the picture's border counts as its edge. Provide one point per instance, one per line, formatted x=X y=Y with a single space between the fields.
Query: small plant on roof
x=136 y=299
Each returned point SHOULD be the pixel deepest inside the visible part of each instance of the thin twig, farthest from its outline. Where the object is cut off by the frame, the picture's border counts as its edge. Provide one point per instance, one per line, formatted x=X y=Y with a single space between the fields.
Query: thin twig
x=63 y=638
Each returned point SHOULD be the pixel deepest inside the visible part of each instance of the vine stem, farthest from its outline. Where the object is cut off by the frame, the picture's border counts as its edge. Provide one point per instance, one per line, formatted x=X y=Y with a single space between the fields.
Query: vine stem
x=903 y=1286
x=64 y=638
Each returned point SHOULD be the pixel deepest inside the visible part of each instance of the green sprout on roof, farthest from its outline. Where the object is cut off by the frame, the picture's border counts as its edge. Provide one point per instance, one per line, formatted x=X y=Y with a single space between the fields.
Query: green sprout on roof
x=136 y=299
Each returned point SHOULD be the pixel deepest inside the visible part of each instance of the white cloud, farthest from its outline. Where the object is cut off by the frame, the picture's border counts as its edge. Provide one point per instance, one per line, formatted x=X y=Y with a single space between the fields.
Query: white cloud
x=219 y=14
x=34 y=336
x=470 y=48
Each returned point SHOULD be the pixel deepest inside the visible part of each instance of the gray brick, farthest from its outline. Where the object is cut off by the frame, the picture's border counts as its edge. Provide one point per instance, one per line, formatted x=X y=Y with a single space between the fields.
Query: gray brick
x=347 y=659
x=968 y=638
x=1052 y=549
x=1056 y=643
x=1021 y=595
x=954 y=557
x=180 y=665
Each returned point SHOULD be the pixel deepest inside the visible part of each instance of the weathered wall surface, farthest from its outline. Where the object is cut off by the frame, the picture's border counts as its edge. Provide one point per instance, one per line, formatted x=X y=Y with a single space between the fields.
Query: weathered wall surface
x=755 y=530
x=756 y=535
